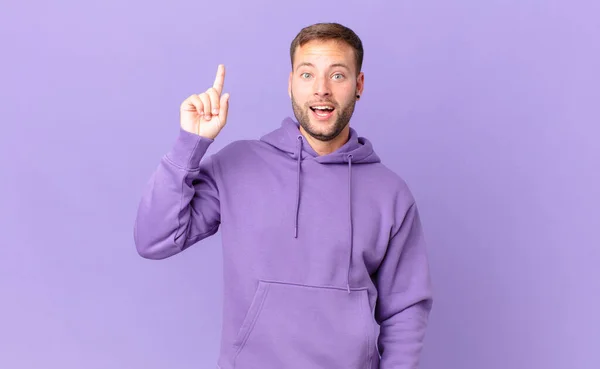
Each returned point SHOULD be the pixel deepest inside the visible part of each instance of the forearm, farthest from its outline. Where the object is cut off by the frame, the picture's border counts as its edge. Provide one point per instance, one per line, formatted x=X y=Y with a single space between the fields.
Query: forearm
x=179 y=205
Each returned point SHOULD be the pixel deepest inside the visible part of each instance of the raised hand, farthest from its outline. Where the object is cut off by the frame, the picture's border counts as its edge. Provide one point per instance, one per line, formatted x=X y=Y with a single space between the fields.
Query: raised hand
x=205 y=114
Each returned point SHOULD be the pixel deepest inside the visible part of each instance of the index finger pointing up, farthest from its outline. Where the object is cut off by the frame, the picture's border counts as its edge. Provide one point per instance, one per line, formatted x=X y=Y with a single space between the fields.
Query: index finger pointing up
x=220 y=79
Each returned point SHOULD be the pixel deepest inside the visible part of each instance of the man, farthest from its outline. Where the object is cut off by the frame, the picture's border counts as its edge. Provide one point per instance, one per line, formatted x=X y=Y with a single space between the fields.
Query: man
x=321 y=242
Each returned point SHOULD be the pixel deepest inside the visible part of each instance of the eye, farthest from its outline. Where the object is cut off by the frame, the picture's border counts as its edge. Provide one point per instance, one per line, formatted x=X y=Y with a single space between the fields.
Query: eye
x=305 y=75
x=338 y=76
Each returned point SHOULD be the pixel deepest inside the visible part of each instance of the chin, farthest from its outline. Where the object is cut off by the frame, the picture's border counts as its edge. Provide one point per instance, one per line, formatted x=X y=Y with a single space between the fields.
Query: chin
x=323 y=130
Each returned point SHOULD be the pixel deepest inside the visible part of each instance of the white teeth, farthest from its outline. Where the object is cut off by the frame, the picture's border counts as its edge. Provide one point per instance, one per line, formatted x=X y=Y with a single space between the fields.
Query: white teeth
x=323 y=107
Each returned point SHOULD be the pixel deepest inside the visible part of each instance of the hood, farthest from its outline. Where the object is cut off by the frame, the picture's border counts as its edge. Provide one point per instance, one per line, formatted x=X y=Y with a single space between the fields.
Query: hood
x=357 y=150
x=288 y=139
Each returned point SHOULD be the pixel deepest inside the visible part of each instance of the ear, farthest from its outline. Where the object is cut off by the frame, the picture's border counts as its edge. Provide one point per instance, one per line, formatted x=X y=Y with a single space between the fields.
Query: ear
x=360 y=83
x=290 y=85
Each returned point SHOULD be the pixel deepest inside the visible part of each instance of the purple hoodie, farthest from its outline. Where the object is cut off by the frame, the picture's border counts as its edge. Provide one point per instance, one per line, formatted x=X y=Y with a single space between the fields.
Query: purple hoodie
x=317 y=250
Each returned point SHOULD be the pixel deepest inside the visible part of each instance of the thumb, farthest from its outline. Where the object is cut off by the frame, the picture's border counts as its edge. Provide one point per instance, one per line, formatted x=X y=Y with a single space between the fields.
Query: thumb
x=224 y=108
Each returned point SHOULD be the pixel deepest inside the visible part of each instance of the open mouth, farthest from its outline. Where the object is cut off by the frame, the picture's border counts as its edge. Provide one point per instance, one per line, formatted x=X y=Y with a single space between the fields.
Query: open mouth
x=322 y=111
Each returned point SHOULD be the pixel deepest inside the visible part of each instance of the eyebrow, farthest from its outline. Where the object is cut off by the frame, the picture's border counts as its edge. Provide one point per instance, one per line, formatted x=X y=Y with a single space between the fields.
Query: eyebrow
x=307 y=64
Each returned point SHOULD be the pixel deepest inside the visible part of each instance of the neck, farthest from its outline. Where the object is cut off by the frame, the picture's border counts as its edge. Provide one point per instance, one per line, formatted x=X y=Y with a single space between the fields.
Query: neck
x=327 y=147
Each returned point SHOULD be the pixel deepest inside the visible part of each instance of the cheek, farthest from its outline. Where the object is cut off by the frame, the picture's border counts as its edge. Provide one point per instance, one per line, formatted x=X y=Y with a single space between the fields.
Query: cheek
x=345 y=96
x=300 y=94
x=301 y=88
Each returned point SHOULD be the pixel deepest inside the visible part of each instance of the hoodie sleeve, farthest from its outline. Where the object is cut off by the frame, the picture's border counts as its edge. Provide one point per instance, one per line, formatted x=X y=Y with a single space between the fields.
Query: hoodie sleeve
x=404 y=297
x=180 y=203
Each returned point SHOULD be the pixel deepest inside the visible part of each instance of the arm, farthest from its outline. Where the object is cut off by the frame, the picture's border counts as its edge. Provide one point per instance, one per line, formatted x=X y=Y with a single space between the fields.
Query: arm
x=180 y=205
x=405 y=296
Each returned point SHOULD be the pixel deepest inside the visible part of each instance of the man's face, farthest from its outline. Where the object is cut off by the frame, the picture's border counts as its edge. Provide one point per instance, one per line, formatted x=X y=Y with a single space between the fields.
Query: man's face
x=323 y=86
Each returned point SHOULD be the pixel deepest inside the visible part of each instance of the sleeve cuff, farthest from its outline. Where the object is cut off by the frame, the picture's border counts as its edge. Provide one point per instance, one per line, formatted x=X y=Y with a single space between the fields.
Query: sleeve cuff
x=188 y=149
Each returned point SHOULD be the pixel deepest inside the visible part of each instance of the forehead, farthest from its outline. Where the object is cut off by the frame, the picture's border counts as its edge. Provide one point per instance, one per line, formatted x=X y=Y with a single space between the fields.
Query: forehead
x=324 y=53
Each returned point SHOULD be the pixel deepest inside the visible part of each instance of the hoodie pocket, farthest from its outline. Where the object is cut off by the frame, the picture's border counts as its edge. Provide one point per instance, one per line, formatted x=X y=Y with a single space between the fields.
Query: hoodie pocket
x=296 y=326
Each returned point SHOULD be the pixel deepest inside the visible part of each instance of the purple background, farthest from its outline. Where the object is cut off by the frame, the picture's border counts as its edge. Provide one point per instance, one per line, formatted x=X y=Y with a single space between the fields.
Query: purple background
x=489 y=109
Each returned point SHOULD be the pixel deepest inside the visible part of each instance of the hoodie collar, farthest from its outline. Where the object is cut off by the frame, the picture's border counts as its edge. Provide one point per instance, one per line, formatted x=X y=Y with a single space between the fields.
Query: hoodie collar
x=286 y=137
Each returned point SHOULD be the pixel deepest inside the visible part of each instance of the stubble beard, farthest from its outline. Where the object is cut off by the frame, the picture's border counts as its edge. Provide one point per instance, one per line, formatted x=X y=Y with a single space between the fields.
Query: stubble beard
x=343 y=118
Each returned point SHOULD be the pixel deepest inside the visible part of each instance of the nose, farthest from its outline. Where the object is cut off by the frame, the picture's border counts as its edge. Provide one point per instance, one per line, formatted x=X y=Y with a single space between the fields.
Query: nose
x=322 y=87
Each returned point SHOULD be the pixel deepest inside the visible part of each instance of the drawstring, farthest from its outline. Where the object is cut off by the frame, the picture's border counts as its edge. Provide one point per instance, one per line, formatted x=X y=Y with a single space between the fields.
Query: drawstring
x=298 y=187
x=350 y=220
x=299 y=161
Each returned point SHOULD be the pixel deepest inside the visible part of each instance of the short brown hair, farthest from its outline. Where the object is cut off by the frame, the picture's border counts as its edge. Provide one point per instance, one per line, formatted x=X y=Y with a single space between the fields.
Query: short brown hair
x=327 y=32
